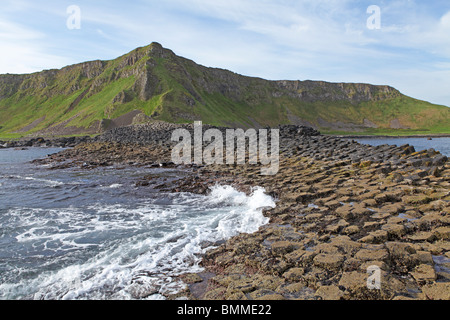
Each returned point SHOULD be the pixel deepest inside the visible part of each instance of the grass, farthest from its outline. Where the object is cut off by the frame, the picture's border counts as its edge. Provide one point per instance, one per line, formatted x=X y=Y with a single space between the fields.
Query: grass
x=11 y=136
x=388 y=132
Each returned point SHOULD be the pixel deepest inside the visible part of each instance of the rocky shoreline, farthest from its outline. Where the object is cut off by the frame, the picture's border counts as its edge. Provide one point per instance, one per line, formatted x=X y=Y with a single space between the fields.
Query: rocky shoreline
x=64 y=142
x=342 y=209
x=429 y=136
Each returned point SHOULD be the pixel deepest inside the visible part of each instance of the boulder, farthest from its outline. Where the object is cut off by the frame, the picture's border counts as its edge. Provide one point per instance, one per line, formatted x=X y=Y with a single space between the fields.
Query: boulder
x=378 y=236
x=442 y=233
x=355 y=286
x=329 y=261
x=394 y=230
x=345 y=212
x=281 y=248
x=401 y=256
x=294 y=274
x=271 y=297
x=422 y=236
x=392 y=208
x=329 y=293
x=424 y=273
x=437 y=291
x=372 y=254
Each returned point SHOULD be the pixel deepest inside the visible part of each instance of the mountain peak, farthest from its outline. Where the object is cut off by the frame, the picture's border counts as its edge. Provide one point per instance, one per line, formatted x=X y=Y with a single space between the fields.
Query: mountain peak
x=156 y=45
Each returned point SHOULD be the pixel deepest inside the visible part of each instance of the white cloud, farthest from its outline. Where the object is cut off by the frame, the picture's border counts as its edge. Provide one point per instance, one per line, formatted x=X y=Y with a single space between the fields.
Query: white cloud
x=21 y=50
x=12 y=31
x=319 y=40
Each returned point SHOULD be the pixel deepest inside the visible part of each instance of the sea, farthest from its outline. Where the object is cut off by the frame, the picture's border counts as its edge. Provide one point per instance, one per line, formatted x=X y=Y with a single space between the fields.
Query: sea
x=439 y=144
x=94 y=235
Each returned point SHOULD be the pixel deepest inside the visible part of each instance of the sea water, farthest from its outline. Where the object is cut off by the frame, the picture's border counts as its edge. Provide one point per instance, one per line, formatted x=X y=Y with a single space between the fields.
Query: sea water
x=439 y=144
x=77 y=234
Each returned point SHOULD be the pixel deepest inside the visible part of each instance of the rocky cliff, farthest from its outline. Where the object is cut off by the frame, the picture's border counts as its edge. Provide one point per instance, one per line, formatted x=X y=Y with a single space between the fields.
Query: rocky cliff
x=153 y=83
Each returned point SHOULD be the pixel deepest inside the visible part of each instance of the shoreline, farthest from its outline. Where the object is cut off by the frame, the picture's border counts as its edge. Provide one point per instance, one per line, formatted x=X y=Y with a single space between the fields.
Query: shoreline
x=391 y=137
x=75 y=140
x=343 y=207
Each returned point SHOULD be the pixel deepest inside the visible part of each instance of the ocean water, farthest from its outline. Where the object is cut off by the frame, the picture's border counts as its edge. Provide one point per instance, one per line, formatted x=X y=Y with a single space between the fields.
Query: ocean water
x=440 y=144
x=75 y=234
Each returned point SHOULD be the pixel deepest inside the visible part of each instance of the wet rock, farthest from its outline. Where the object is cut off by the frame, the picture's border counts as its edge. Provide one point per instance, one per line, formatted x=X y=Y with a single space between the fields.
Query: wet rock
x=345 y=245
x=294 y=274
x=326 y=248
x=442 y=233
x=351 y=230
x=416 y=199
x=431 y=221
x=224 y=259
x=360 y=210
x=345 y=212
x=422 y=236
x=368 y=226
x=242 y=285
x=354 y=286
x=295 y=257
x=215 y=294
x=268 y=282
x=329 y=293
x=271 y=297
x=425 y=257
x=191 y=278
x=437 y=291
x=142 y=290
x=333 y=204
x=281 y=248
x=378 y=254
x=424 y=273
x=394 y=231
x=392 y=208
x=378 y=236
x=401 y=256
x=329 y=261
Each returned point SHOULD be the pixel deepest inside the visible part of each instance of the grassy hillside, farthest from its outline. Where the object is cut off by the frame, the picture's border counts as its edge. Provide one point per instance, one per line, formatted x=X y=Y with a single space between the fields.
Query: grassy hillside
x=90 y=97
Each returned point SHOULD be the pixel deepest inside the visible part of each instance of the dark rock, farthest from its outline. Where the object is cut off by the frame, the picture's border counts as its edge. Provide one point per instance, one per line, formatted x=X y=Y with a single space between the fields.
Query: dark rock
x=416 y=163
x=439 y=160
x=407 y=149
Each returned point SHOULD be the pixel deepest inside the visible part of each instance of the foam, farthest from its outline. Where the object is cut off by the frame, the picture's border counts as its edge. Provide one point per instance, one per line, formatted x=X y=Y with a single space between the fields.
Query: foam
x=51 y=183
x=132 y=247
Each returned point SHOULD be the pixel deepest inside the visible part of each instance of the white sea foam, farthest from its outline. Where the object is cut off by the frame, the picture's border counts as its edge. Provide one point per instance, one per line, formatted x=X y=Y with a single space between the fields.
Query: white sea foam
x=131 y=251
x=50 y=183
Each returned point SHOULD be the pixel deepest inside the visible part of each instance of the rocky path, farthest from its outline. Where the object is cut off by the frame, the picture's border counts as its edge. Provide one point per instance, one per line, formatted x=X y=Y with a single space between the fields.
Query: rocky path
x=335 y=220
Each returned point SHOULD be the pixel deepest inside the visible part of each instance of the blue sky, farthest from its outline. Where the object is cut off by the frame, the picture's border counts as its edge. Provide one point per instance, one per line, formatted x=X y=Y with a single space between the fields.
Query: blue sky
x=286 y=39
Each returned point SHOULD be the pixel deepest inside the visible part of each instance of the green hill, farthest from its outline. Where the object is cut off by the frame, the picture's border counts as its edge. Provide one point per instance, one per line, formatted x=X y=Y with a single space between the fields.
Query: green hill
x=152 y=83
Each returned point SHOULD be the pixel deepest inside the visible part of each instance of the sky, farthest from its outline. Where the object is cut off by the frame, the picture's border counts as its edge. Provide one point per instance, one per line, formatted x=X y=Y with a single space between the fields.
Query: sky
x=401 y=43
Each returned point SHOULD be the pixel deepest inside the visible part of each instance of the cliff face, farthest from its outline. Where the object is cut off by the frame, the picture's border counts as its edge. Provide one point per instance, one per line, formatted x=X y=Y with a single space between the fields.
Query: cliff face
x=153 y=83
x=314 y=91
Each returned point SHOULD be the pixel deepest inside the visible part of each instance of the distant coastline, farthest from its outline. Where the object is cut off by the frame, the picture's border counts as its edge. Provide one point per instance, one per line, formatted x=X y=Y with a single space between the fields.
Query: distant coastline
x=443 y=135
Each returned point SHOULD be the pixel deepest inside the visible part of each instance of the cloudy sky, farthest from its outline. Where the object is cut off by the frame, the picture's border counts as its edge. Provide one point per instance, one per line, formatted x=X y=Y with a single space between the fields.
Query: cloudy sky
x=402 y=43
